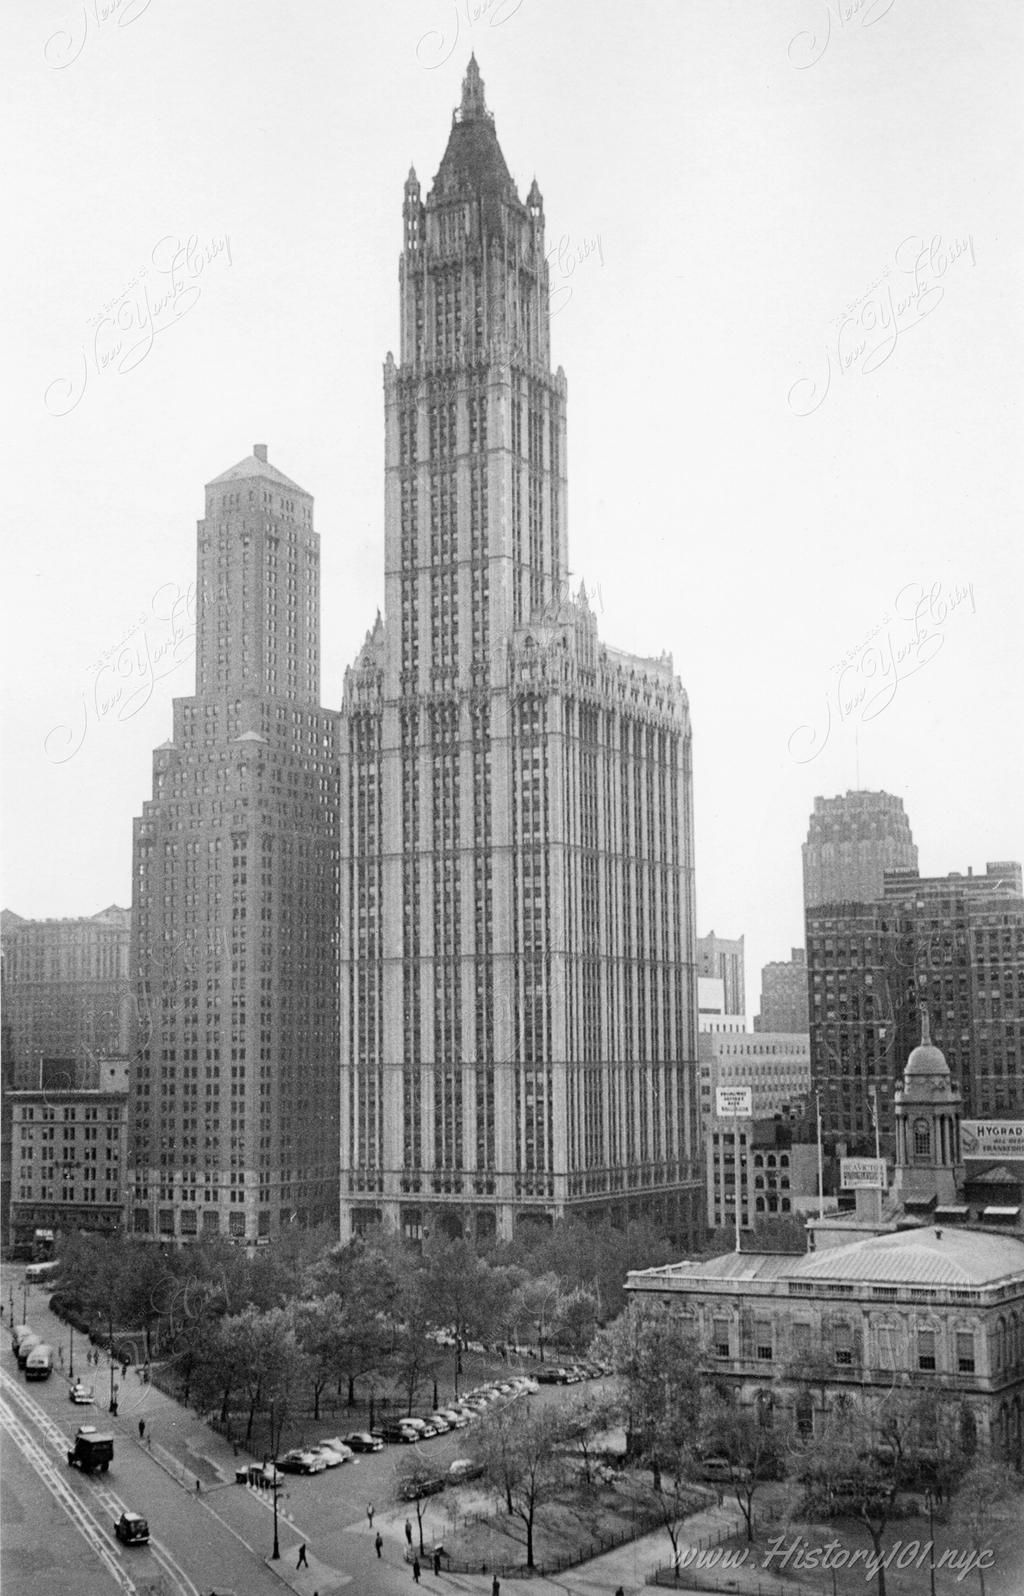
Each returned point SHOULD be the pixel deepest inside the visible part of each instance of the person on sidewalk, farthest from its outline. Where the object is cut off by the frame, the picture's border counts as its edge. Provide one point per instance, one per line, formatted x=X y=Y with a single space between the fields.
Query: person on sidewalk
x=495 y=1586
x=437 y=1565
x=302 y=1563
x=369 y=1513
x=408 y=1532
x=378 y=1544
x=142 y=1429
x=415 y=1570
x=619 y=1591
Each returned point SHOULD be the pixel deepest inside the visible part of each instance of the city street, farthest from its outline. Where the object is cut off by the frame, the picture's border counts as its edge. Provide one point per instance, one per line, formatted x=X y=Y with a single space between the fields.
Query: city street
x=219 y=1538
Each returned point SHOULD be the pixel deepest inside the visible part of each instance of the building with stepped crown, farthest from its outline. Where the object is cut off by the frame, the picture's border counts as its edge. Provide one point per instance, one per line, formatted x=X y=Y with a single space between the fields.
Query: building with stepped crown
x=518 y=1000
x=234 y=1089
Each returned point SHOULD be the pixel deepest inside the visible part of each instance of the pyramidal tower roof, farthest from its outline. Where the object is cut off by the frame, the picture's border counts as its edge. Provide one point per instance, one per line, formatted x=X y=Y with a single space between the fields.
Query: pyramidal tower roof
x=256 y=465
x=473 y=158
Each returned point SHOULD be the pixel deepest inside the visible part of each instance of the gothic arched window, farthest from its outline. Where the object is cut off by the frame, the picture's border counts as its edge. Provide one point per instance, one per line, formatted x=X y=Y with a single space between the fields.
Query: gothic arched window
x=922 y=1138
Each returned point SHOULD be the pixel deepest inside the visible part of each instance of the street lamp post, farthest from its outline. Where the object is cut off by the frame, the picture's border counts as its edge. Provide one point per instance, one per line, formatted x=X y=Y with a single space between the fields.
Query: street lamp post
x=71 y=1351
x=929 y=1497
x=24 y=1301
x=113 y=1387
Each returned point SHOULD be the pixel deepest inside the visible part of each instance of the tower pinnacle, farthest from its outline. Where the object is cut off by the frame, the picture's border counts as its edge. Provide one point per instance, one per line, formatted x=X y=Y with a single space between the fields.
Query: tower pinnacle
x=473 y=102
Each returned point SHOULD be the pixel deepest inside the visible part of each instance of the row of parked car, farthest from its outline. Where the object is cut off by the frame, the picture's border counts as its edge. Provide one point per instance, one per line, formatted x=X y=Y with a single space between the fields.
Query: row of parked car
x=571 y=1373
x=402 y=1430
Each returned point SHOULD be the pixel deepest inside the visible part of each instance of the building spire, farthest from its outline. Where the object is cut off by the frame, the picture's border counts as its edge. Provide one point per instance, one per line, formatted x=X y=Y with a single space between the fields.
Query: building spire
x=473 y=103
x=926 y=1035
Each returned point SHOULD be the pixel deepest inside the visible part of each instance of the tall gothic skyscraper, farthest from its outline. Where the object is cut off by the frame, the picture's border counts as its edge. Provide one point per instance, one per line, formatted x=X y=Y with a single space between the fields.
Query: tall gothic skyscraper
x=518 y=997
x=234 y=1123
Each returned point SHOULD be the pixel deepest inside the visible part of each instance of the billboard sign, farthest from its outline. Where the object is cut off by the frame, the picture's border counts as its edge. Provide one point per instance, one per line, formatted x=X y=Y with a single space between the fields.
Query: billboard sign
x=992 y=1138
x=734 y=1100
x=865 y=1174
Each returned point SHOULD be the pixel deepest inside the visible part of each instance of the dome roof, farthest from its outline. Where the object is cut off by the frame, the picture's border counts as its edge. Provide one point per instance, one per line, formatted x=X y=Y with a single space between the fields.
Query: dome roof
x=926 y=1059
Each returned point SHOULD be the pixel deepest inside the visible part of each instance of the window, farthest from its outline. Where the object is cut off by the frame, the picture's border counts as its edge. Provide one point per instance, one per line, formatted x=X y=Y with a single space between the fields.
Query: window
x=844 y=1345
x=804 y=1414
x=763 y=1340
x=720 y=1337
x=922 y=1138
x=926 y=1349
x=965 y=1351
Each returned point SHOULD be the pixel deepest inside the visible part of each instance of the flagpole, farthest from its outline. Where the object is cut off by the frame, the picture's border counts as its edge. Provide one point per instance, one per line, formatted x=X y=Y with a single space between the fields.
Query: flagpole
x=821 y=1171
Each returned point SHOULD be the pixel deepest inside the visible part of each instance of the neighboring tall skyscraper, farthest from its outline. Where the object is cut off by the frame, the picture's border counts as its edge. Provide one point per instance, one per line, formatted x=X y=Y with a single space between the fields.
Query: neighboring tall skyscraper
x=784 y=994
x=235 y=932
x=953 y=943
x=67 y=996
x=957 y=947
x=518 y=994
x=722 y=960
x=851 y=841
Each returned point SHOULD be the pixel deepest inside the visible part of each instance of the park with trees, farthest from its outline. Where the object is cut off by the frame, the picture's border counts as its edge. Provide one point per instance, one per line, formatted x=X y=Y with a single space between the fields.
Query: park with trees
x=271 y=1343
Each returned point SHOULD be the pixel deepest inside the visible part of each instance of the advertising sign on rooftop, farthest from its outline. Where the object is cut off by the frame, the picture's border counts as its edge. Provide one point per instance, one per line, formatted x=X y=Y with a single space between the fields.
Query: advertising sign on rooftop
x=867 y=1174
x=738 y=1100
x=992 y=1138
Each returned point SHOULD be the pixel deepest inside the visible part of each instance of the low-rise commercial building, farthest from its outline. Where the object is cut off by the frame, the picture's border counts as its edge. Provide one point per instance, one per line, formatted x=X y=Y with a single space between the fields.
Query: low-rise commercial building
x=68 y=1157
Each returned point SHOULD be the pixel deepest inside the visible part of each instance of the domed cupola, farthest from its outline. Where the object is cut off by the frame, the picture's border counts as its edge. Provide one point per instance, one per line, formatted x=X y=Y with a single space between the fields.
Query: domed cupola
x=928 y=1105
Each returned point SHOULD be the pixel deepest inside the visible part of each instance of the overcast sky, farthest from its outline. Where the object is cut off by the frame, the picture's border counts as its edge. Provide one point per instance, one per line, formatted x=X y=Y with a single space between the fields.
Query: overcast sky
x=786 y=267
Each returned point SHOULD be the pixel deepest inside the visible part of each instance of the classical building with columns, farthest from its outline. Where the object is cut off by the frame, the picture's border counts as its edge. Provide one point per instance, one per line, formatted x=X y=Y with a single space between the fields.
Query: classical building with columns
x=518 y=996
x=906 y=1294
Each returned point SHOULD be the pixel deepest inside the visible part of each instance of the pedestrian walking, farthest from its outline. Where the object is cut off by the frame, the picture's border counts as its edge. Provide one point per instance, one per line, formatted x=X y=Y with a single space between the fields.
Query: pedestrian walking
x=302 y=1563
x=619 y=1591
x=60 y=1356
x=437 y=1565
x=378 y=1544
x=369 y=1513
x=415 y=1570
x=199 y=1488
x=408 y=1532
x=142 y=1429
x=495 y=1586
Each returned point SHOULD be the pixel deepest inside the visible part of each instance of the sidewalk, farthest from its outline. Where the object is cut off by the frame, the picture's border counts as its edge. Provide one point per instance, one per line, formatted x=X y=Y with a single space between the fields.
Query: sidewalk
x=627 y=1565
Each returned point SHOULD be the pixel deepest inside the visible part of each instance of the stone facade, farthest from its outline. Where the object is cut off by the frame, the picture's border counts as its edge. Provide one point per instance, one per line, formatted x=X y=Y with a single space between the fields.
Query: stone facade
x=518 y=970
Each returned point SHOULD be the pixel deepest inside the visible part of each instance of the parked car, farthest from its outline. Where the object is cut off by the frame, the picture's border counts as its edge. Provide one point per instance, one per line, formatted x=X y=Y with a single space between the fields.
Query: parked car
x=363 y=1441
x=439 y=1423
x=132 y=1530
x=336 y=1449
x=91 y=1450
x=550 y=1374
x=262 y=1474
x=464 y=1468
x=403 y=1432
x=423 y=1427
x=412 y=1490
x=720 y=1470
x=457 y=1420
x=80 y=1392
x=300 y=1461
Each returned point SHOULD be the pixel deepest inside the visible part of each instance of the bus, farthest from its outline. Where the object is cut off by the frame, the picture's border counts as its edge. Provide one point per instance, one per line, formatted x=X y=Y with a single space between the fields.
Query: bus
x=42 y=1271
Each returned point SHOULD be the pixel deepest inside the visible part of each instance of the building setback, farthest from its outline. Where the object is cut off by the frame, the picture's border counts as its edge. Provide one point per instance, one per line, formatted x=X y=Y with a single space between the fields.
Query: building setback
x=518 y=990
x=851 y=841
x=67 y=996
x=235 y=869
